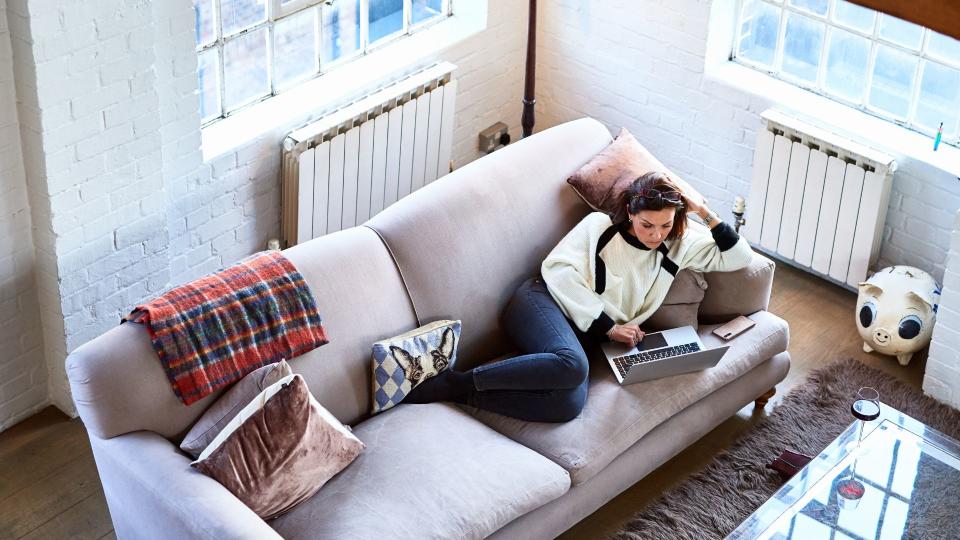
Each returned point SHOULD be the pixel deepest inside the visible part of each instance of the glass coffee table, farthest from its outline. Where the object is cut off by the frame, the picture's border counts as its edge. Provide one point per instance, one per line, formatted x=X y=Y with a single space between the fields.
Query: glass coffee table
x=907 y=485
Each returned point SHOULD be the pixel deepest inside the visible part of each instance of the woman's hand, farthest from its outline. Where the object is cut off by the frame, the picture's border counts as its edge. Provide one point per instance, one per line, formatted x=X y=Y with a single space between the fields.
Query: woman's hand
x=629 y=334
x=698 y=207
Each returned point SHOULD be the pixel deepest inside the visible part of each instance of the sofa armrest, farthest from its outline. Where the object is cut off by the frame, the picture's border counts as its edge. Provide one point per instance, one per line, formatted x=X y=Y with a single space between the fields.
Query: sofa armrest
x=740 y=292
x=152 y=492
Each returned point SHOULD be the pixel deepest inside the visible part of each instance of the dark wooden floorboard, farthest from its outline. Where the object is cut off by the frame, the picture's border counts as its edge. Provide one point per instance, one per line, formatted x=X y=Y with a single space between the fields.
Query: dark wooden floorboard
x=49 y=487
x=85 y=520
x=57 y=447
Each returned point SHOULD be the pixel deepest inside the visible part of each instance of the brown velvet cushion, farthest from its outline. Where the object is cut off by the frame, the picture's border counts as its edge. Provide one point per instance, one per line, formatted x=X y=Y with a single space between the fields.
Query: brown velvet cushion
x=229 y=404
x=602 y=178
x=682 y=303
x=279 y=450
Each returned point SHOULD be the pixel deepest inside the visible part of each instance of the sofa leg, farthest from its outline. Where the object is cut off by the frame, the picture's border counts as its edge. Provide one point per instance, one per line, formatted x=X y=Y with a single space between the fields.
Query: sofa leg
x=761 y=401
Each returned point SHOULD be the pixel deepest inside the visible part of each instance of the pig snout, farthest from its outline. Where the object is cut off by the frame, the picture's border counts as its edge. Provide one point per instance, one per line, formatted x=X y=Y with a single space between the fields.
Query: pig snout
x=881 y=336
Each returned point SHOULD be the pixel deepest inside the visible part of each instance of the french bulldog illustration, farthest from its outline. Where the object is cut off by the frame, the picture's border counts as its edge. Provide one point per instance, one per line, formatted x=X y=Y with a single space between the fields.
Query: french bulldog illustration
x=413 y=366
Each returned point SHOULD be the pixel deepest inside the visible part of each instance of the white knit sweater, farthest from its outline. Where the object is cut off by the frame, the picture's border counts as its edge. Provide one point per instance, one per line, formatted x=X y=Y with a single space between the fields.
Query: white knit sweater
x=601 y=275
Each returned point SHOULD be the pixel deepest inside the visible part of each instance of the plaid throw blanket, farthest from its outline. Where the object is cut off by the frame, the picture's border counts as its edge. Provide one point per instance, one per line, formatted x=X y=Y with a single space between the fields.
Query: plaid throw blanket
x=211 y=332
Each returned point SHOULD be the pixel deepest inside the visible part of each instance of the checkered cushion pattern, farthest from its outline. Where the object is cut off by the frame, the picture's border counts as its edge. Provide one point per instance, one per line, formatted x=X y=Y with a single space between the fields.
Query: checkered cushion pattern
x=401 y=363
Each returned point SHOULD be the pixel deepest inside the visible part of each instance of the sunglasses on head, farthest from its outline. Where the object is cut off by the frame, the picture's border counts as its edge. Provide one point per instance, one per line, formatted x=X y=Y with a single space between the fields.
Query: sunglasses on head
x=670 y=196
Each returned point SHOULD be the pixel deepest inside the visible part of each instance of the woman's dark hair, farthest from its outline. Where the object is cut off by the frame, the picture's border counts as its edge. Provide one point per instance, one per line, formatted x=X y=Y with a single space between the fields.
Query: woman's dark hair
x=653 y=191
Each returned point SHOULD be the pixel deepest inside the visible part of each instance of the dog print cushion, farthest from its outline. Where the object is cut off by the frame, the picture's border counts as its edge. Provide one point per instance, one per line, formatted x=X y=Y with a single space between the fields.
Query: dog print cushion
x=401 y=363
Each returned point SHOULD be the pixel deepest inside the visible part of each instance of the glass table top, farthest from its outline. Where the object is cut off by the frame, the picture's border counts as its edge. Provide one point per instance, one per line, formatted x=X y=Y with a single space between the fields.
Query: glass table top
x=901 y=481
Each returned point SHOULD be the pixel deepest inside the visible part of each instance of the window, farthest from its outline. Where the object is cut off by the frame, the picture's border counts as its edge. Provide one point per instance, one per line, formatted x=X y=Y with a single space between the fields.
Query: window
x=874 y=62
x=249 y=50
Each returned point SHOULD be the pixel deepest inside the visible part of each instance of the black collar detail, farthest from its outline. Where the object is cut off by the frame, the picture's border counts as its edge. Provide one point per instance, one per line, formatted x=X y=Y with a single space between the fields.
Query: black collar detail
x=624 y=230
x=665 y=262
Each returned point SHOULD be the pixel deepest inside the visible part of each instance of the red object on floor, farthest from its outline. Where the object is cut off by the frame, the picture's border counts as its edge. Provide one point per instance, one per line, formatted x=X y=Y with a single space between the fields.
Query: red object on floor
x=789 y=463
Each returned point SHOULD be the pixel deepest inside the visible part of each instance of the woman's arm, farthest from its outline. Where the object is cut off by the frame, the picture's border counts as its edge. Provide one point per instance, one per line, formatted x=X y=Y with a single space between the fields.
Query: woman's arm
x=569 y=274
x=724 y=250
x=709 y=217
x=720 y=250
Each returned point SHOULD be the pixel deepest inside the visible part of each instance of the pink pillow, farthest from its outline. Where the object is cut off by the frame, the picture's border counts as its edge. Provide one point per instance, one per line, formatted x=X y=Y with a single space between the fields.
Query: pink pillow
x=279 y=450
x=603 y=178
x=229 y=404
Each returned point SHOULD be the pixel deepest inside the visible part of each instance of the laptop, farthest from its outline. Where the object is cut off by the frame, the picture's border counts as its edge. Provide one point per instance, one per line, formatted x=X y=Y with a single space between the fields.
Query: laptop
x=661 y=354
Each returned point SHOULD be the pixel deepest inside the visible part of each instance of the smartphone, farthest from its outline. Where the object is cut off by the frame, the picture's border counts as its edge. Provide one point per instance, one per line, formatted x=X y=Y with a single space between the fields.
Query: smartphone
x=734 y=328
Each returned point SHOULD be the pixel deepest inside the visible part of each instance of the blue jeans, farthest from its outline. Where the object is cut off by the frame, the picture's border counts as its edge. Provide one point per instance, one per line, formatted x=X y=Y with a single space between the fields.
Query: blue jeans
x=548 y=382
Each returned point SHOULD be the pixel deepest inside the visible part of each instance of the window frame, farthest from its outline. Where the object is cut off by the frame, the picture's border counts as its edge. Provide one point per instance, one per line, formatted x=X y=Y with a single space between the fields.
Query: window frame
x=277 y=12
x=875 y=40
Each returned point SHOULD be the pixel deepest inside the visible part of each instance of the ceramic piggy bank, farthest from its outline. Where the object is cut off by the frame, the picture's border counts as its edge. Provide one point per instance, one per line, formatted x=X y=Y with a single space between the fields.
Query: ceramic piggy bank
x=896 y=310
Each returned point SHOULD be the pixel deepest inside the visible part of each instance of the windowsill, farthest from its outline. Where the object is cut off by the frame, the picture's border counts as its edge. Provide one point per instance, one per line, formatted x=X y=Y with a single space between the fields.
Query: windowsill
x=294 y=107
x=837 y=117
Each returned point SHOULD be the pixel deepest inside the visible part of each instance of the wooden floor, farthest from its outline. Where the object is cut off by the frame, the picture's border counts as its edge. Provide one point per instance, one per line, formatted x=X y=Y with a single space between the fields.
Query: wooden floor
x=49 y=486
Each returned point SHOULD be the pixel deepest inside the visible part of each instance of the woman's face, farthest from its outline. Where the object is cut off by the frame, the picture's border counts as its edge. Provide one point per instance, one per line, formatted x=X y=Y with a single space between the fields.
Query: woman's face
x=652 y=226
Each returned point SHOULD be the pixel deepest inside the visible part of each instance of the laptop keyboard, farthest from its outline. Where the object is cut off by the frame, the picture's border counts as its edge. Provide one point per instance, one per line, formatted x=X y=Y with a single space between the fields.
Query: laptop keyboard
x=623 y=363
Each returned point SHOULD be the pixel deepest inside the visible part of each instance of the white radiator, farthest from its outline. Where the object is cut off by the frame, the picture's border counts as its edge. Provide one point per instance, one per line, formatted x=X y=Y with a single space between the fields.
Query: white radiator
x=349 y=165
x=817 y=199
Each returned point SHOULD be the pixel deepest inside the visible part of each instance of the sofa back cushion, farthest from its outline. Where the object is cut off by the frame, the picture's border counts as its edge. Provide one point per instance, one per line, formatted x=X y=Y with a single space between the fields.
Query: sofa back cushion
x=362 y=300
x=464 y=243
x=119 y=385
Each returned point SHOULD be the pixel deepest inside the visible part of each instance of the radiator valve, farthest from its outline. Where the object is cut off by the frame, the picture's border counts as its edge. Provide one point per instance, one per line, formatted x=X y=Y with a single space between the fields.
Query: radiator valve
x=739 y=208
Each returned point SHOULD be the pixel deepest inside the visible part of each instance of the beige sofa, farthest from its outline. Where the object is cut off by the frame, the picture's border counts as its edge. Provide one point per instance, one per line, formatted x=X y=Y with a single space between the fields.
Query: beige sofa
x=455 y=249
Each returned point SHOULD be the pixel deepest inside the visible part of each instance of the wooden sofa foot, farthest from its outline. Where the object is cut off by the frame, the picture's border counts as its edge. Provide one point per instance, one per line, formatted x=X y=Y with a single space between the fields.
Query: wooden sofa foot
x=761 y=401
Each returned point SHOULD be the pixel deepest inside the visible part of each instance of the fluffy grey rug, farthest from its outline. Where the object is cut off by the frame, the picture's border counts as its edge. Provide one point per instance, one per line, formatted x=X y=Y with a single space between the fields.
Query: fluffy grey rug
x=711 y=503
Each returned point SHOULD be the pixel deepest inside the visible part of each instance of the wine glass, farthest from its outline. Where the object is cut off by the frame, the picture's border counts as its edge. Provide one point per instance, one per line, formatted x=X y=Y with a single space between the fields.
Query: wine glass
x=866 y=408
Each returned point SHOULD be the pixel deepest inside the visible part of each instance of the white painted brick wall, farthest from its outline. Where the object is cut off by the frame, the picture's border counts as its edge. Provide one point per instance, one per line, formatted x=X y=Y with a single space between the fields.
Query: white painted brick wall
x=941 y=379
x=91 y=146
x=23 y=375
x=490 y=73
x=640 y=65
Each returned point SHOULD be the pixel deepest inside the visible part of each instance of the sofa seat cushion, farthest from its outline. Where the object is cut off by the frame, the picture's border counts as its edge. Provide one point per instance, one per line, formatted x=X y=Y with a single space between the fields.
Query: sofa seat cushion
x=429 y=471
x=615 y=417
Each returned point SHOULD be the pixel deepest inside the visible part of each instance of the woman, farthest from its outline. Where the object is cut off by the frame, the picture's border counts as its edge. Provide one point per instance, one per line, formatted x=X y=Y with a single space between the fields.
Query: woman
x=599 y=283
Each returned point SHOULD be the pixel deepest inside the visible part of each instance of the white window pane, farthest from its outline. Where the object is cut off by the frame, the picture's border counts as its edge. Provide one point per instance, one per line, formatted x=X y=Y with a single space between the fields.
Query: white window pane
x=893 y=72
x=295 y=54
x=245 y=68
x=426 y=9
x=240 y=14
x=854 y=16
x=814 y=6
x=208 y=75
x=939 y=99
x=205 y=19
x=386 y=17
x=943 y=47
x=759 y=25
x=341 y=29
x=802 y=44
x=847 y=60
x=900 y=32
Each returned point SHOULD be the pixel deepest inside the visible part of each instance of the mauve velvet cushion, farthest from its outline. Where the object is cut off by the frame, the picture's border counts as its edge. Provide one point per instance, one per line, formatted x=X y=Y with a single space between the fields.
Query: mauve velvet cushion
x=601 y=179
x=279 y=450
x=229 y=404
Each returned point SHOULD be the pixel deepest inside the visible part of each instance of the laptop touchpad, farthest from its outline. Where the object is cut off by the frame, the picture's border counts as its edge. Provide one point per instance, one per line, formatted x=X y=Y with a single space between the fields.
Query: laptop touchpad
x=652 y=341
